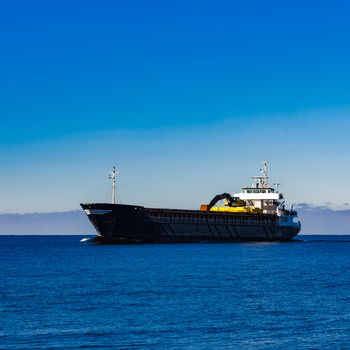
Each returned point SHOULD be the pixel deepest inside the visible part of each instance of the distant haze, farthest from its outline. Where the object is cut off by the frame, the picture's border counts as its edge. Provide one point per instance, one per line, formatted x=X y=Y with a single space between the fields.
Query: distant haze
x=71 y=222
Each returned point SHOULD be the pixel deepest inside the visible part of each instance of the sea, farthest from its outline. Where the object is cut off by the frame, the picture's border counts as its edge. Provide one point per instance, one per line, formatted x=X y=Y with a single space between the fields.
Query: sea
x=59 y=293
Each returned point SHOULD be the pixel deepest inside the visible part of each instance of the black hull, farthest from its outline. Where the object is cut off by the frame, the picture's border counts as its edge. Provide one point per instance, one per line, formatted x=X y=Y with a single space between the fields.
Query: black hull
x=117 y=223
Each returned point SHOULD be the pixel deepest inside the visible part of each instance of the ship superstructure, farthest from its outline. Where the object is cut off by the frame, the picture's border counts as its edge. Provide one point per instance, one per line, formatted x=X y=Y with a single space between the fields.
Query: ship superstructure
x=257 y=213
x=261 y=195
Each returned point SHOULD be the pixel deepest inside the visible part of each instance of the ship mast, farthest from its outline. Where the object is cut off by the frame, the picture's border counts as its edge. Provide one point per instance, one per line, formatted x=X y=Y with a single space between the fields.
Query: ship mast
x=262 y=181
x=112 y=176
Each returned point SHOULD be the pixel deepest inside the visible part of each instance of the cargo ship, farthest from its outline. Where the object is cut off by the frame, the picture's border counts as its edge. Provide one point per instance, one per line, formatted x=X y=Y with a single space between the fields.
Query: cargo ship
x=257 y=213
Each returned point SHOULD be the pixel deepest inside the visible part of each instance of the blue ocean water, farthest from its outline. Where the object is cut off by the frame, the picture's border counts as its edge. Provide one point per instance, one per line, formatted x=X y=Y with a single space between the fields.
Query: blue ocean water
x=57 y=293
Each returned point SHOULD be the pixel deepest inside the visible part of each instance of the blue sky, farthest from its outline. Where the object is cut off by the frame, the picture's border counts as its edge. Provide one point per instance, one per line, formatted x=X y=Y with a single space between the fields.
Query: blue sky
x=187 y=98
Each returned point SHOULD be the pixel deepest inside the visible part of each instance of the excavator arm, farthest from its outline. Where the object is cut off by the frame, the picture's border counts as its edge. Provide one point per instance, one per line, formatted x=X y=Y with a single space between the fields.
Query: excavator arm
x=230 y=200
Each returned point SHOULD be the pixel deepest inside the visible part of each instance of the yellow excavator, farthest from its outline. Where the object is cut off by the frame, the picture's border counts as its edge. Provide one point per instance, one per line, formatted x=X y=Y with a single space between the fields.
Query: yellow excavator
x=231 y=205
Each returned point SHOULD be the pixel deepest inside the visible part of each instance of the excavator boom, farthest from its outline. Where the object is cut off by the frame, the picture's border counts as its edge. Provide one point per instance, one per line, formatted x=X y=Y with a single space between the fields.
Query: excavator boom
x=230 y=200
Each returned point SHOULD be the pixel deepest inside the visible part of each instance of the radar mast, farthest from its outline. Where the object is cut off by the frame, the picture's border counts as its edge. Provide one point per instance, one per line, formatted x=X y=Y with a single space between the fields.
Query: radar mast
x=262 y=181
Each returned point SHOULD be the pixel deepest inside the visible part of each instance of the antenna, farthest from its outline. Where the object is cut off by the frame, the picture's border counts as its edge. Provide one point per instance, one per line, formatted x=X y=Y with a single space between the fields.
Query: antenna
x=266 y=168
x=112 y=176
